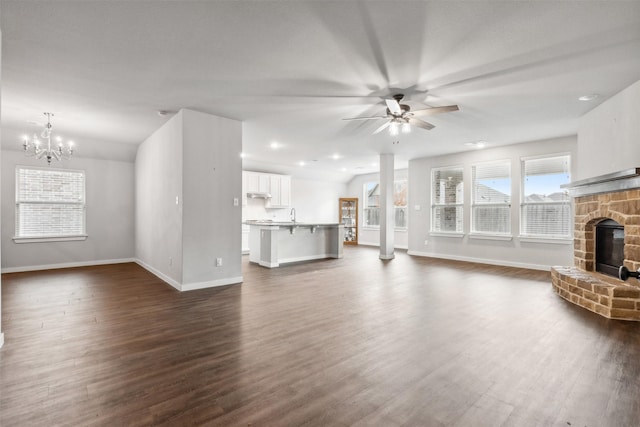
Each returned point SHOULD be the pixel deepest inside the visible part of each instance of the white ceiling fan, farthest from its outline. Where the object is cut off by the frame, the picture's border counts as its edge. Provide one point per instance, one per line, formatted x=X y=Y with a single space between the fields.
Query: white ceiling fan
x=400 y=117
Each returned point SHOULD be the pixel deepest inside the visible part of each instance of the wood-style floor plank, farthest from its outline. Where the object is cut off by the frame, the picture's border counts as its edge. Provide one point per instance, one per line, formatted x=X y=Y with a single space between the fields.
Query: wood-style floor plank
x=353 y=341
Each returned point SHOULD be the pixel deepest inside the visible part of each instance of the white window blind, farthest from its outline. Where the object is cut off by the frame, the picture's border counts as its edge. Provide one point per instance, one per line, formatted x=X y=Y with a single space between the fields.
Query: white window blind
x=49 y=202
x=372 y=204
x=491 y=198
x=546 y=208
x=447 y=198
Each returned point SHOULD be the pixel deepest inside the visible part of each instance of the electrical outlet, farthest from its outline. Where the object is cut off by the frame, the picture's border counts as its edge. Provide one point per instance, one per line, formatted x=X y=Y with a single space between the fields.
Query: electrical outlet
x=218 y=262
x=235 y=201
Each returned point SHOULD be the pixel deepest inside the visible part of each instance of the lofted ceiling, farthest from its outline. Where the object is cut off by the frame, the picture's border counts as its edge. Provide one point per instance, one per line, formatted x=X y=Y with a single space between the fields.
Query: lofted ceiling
x=292 y=70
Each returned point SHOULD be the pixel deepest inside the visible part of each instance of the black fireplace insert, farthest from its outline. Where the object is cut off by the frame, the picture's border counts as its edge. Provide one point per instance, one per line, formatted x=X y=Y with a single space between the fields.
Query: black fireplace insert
x=609 y=247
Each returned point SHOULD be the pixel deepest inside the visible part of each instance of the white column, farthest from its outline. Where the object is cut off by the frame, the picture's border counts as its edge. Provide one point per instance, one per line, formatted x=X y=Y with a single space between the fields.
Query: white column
x=387 y=219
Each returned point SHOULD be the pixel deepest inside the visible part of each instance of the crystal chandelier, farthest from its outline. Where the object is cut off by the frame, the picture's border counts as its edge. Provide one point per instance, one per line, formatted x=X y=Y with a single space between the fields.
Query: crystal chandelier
x=39 y=149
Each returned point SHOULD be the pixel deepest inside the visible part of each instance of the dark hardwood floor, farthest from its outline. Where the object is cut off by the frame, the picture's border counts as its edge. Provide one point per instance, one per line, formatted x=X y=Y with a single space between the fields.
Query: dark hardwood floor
x=355 y=341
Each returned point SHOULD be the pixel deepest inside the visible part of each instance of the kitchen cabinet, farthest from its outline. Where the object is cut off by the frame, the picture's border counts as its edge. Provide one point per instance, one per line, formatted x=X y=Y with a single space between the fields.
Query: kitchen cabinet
x=280 y=190
x=349 y=218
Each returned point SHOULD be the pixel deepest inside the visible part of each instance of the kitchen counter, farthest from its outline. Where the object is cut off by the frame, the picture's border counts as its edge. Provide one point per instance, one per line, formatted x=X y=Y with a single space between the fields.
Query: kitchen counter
x=272 y=243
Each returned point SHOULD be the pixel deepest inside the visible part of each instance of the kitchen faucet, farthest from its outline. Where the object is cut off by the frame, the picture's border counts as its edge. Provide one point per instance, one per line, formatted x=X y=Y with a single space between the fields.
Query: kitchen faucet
x=293 y=214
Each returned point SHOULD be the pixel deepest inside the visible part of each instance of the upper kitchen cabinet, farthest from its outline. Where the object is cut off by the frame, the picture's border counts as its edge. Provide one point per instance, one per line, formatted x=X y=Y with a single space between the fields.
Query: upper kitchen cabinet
x=278 y=186
x=280 y=189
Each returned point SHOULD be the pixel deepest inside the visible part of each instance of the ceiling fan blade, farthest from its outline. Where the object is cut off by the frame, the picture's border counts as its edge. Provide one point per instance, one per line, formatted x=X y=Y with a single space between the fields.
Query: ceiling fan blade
x=435 y=110
x=366 y=118
x=393 y=106
x=421 y=124
x=381 y=128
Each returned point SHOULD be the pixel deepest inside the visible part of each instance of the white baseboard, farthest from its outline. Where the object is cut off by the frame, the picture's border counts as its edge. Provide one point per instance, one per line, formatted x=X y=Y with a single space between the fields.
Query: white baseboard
x=188 y=286
x=307 y=258
x=66 y=265
x=212 y=283
x=483 y=261
x=1 y=339
x=160 y=275
x=377 y=245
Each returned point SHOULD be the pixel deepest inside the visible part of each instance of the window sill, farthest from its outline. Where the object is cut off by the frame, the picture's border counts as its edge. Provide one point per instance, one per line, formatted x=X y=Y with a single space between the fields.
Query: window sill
x=49 y=239
x=548 y=240
x=481 y=236
x=442 y=234
x=377 y=227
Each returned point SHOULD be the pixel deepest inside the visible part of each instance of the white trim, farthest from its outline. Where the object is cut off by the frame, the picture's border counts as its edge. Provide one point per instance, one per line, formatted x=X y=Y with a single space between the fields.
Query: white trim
x=49 y=239
x=377 y=245
x=481 y=236
x=66 y=265
x=268 y=264
x=441 y=234
x=307 y=258
x=1 y=339
x=482 y=260
x=211 y=283
x=548 y=240
x=387 y=257
x=159 y=274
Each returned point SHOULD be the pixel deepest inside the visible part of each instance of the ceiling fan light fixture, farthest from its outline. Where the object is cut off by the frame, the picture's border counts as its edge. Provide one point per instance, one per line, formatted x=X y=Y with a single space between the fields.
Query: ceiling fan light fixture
x=406 y=127
x=393 y=129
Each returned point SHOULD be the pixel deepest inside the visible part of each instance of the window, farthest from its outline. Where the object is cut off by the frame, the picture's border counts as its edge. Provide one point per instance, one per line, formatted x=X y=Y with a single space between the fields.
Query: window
x=447 y=200
x=400 y=204
x=49 y=203
x=372 y=204
x=546 y=208
x=491 y=198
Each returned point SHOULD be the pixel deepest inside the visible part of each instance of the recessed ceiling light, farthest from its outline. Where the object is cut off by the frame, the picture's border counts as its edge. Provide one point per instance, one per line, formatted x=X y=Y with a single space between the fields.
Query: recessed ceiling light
x=162 y=113
x=589 y=97
x=336 y=156
x=343 y=169
x=302 y=163
x=476 y=144
x=274 y=145
x=374 y=164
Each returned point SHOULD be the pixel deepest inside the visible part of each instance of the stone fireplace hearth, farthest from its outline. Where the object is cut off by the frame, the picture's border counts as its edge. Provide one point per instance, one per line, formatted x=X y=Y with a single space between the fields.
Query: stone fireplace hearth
x=609 y=197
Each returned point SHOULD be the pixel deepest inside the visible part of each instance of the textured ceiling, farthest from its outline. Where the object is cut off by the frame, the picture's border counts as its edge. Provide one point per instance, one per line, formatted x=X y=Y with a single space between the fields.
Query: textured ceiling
x=292 y=70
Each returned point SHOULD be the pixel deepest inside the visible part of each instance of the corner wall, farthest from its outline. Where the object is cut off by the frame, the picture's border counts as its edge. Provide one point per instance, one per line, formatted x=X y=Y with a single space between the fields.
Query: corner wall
x=188 y=174
x=516 y=252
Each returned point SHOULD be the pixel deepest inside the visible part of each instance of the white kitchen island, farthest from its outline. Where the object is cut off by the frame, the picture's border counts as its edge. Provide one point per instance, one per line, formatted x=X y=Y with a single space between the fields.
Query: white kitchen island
x=275 y=243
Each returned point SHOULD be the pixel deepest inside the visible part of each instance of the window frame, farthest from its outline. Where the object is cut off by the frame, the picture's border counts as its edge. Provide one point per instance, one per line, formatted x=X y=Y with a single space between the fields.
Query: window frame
x=544 y=238
x=49 y=238
x=365 y=206
x=507 y=235
x=458 y=205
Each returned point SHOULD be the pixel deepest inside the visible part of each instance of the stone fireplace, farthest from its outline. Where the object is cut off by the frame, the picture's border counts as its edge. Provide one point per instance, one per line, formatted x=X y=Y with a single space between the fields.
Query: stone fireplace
x=606 y=232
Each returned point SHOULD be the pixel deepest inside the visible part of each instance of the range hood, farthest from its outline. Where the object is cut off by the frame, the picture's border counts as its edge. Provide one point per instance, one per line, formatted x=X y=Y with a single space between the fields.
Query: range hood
x=258 y=195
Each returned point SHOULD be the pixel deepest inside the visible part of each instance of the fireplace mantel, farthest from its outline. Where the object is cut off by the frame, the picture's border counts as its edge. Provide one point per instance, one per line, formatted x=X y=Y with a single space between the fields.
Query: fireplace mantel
x=618 y=181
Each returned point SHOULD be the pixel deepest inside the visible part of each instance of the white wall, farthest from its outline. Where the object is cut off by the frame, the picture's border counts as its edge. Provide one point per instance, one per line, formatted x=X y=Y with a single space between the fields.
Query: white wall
x=371 y=236
x=516 y=252
x=193 y=159
x=109 y=216
x=1 y=334
x=609 y=135
x=158 y=219
x=314 y=201
x=212 y=178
